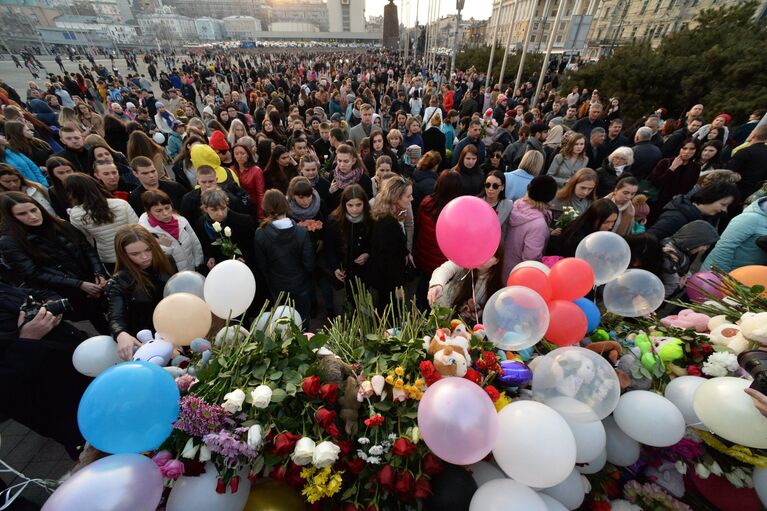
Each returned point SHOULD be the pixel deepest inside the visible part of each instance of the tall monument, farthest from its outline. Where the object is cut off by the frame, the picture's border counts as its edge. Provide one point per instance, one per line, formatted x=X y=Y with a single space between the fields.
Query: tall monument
x=391 y=27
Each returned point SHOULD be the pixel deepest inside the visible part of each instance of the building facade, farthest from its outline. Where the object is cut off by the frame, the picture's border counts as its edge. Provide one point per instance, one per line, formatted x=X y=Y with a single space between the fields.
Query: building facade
x=166 y=25
x=21 y=19
x=241 y=27
x=346 y=15
x=314 y=12
x=209 y=29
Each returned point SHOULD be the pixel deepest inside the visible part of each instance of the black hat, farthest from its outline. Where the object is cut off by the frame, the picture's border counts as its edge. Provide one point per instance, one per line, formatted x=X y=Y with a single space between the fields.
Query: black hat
x=542 y=189
x=538 y=127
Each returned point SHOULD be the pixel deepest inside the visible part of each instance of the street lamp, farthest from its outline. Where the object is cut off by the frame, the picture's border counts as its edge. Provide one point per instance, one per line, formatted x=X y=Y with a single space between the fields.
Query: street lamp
x=459 y=7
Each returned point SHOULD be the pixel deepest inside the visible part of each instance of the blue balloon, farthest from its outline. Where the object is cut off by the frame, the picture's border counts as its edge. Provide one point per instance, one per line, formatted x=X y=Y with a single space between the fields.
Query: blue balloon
x=591 y=311
x=129 y=408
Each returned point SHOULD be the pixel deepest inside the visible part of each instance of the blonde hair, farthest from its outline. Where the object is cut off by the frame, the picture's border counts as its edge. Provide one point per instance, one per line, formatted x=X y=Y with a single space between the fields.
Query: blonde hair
x=532 y=162
x=436 y=119
x=391 y=191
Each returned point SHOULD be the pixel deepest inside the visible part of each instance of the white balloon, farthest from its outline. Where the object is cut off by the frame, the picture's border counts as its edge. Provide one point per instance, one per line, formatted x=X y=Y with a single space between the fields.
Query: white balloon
x=533 y=264
x=483 y=472
x=728 y=411
x=506 y=495
x=199 y=493
x=681 y=391
x=535 y=445
x=230 y=288
x=649 y=418
x=95 y=355
x=570 y=492
x=227 y=334
x=597 y=464
x=634 y=293
x=185 y=282
x=278 y=319
x=552 y=504
x=760 y=484
x=608 y=254
x=622 y=450
x=590 y=439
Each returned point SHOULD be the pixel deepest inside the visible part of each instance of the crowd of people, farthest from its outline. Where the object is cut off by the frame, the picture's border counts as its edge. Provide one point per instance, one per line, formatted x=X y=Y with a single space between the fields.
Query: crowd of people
x=321 y=171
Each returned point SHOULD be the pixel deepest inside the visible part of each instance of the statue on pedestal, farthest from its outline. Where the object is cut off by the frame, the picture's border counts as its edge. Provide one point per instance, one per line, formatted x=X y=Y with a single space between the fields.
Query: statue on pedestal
x=391 y=27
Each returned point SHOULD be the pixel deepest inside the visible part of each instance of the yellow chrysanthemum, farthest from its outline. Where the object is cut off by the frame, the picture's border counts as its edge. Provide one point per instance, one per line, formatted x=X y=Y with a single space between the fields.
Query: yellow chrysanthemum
x=312 y=493
x=307 y=472
x=501 y=402
x=419 y=383
x=399 y=383
x=390 y=380
x=334 y=485
x=399 y=371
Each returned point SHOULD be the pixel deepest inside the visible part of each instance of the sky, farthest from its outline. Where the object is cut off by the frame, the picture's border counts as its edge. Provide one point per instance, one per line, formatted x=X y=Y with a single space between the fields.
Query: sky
x=478 y=9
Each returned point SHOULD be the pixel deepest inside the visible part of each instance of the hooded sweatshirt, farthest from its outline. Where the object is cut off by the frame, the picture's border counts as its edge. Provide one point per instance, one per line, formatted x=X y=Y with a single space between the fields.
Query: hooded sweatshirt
x=677 y=213
x=526 y=235
x=202 y=154
x=284 y=253
x=676 y=251
x=737 y=247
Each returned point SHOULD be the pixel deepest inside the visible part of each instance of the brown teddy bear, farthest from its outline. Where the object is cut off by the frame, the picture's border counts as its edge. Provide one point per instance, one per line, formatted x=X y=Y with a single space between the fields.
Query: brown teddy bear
x=450 y=352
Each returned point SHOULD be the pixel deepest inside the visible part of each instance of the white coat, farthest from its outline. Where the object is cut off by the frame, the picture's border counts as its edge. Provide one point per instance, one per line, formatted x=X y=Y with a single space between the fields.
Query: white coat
x=186 y=251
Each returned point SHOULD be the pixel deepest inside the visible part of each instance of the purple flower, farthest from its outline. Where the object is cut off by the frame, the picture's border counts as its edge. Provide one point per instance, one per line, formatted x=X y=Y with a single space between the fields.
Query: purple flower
x=229 y=445
x=173 y=469
x=198 y=418
x=687 y=449
x=185 y=382
x=161 y=458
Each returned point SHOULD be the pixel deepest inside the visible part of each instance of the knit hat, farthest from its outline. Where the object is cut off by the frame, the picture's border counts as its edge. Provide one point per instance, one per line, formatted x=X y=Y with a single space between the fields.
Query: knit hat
x=208 y=110
x=727 y=118
x=641 y=208
x=414 y=152
x=159 y=104
x=129 y=105
x=335 y=117
x=542 y=189
x=177 y=124
x=218 y=141
x=501 y=98
x=695 y=234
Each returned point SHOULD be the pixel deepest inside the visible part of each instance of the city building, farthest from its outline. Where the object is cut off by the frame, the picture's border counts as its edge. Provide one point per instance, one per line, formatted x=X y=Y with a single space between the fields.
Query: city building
x=293 y=26
x=314 y=12
x=21 y=19
x=209 y=29
x=475 y=33
x=241 y=27
x=346 y=15
x=218 y=9
x=165 y=25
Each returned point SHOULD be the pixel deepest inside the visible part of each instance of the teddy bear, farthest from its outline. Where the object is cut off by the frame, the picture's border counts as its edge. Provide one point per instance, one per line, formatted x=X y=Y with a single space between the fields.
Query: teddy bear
x=716 y=321
x=754 y=326
x=730 y=336
x=688 y=319
x=450 y=351
x=154 y=350
x=611 y=349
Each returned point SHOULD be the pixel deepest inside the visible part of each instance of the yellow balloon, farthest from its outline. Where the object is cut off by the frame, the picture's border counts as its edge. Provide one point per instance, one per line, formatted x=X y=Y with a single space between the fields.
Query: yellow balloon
x=182 y=317
x=274 y=496
x=751 y=275
x=725 y=409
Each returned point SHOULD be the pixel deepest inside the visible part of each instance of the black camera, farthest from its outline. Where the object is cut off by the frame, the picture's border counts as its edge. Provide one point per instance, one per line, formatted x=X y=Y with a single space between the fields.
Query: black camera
x=31 y=307
x=755 y=364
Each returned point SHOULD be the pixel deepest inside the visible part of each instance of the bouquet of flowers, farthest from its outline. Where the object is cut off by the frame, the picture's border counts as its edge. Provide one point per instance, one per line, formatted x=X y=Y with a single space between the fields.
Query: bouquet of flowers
x=228 y=247
x=569 y=214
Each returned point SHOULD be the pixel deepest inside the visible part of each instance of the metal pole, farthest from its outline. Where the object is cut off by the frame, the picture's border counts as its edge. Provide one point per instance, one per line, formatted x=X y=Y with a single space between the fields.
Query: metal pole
x=508 y=42
x=459 y=7
x=518 y=81
x=542 y=25
x=489 y=78
x=549 y=45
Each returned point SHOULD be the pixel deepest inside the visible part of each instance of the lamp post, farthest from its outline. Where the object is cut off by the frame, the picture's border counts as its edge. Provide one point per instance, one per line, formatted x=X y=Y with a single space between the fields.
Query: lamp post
x=552 y=35
x=508 y=43
x=489 y=78
x=459 y=7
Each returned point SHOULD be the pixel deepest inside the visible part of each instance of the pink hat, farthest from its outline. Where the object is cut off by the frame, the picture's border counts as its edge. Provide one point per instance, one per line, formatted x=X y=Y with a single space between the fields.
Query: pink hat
x=727 y=117
x=501 y=98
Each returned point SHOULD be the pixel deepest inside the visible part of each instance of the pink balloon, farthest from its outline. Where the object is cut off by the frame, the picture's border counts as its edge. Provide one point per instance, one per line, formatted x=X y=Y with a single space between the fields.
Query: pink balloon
x=458 y=421
x=703 y=281
x=468 y=231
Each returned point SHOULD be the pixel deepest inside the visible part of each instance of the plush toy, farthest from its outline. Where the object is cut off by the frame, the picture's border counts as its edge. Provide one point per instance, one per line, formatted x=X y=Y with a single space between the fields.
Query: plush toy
x=658 y=349
x=716 y=321
x=335 y=370
x=730 y=336
x=611 y=349
x=155 y=350
x=754 y=326
x=628 y=374
x=450 y=351
x=688 y=319
x=180 y=364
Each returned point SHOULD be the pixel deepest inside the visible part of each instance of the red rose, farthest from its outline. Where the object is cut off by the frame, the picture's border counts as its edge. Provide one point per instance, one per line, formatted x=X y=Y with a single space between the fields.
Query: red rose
x=431 y=464
x=611 y=489
x=356 y=465
x=234 y=483
x=493 y=393
x=427 y=368
x=601 y=505
x=327 y=420
x=405 y=486
x=351 y=506
x=371 y=507
x=220 y=486
x=693 y=370
x=284 y=443
x=474 y=376
x=385 y=477
x=481 y=365
x=707 y=348
x=279 y=473
x=422 y=488
x=374 y=421
x=329 y=393
x=403 y=447
x=490 y=358
x=346 y=447
x=311 y=386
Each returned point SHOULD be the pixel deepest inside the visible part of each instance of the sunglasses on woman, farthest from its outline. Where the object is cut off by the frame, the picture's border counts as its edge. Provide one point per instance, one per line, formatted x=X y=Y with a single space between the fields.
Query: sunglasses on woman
x=494 y=186
x=497 y=156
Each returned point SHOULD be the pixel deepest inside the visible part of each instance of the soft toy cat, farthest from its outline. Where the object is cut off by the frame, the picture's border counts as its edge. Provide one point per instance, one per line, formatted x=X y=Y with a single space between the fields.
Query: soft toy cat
x=688 y=319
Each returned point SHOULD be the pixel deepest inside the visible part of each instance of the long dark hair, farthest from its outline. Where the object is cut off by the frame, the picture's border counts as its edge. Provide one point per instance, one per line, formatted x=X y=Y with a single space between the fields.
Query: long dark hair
x=14 y=130
x=19 y=232
x=10 y=170
x=264 y=150
x=493 y=284
x=498 y=175
x=352 y=192
x=128 y=234
x=449 y=185
x=588 y=222
x=83 y=190
x=274 y=176
x=466 y=150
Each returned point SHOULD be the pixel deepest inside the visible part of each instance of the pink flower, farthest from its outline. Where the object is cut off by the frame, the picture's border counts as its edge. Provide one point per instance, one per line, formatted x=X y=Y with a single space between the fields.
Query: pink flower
x=172 y=469
x=185 y=382
x=161 y=458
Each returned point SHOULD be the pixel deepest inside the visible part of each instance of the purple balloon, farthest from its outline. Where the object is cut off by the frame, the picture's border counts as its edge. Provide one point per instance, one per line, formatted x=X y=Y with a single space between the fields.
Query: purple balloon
x=703 y=282
x=458 y=421
x=121 y=482
x=515 y=374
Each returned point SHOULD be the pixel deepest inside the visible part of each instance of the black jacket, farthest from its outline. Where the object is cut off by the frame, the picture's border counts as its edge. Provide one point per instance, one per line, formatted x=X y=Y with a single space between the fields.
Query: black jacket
x=370 y=161
x=646 y=157
x=674 y=142
x=334 y=198
x=242 y=236
x=472 y=180
x=608 y=178
x=131 y=307
x=434 y=140
x=80 y=160
x=423 y=185
x=388 y=250
x=191 y=202
x=679 y=212
x=751 y=163
x=286 y=258
x=342 y=248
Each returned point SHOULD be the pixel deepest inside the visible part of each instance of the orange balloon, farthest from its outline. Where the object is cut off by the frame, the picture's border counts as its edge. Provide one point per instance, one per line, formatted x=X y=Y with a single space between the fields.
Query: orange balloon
x=751 y=276
x=182 y=317
x=533 y=278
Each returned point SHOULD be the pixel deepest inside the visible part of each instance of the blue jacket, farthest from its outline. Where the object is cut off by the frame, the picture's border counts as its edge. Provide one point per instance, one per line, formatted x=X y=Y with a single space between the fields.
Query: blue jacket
x=737 y=246
x=25 y=166
x=449 y=132
x=517 y=182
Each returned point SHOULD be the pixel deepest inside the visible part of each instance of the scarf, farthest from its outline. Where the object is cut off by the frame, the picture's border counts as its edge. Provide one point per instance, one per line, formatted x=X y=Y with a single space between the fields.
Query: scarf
x=208 y=224
x=171 y=227
x=343 y=181
x=355 y=219
x=168 y=118
x=300 y=214
x=315 y=180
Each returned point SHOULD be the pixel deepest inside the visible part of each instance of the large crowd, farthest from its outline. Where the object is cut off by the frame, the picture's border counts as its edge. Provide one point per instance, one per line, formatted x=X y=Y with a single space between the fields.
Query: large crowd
x=320 y=171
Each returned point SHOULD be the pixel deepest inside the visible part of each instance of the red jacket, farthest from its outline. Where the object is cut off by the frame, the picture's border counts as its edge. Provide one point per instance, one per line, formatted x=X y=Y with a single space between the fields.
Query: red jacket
x=252 y=181
x=447 y=101
x=426 y=252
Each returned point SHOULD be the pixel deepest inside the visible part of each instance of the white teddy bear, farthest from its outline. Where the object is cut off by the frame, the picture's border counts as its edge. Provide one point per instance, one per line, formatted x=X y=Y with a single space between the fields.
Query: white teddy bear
x=754 y=326
x=730 y=336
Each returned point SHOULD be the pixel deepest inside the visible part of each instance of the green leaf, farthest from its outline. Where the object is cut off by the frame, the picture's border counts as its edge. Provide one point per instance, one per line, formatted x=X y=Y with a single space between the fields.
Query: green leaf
x=275 y=375
x=278 y=395
x=383 y=406
x=291 y=388
x=349 y=493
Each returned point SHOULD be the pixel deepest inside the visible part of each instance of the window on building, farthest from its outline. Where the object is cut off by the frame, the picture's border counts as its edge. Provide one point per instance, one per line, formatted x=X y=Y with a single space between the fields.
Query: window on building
x=657 y=6
x=644 y=7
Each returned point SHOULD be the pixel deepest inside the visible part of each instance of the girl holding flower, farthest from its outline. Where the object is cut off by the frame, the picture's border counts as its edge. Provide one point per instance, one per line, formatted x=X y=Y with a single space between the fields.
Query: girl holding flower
x=223 y=233
x=578 y=193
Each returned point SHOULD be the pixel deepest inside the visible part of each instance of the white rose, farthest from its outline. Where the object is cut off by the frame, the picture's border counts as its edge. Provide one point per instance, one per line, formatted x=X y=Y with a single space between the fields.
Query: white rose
x=716 y=469
x=262 y=396
x=416 y=436
x=228 y=232
x=325 y=454
x=303 y=453
x=233 y=401
x=255 y=437
x=216 y=226
x=378 y=383
x=204 y=453
x=190 y=450
x=702 y=471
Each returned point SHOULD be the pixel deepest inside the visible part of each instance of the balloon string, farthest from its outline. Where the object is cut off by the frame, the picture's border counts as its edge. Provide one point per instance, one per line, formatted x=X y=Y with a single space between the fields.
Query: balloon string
x=13 y=492
x=473 y=294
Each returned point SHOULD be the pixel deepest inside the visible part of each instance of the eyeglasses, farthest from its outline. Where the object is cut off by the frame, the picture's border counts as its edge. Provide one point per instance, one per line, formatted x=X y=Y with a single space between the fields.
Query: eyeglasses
x=497 y=156
x=494 y=186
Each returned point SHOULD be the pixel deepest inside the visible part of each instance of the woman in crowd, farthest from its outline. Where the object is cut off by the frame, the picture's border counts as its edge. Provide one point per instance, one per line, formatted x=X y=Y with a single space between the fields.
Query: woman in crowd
x=493 y=193
x=349 y=170
x=379 y=147
x=494 y=159
x=601 y=215
x=468 y=168
x=22 y=140
x=59 y=169
x=284 y=254
x=709 y=203
x=570 y=159
x=738 y=245
x=183 y=169
x=115 y=133
x=250 y=175
x=413 y=133
x=396 y=143
x=97 y=215
x=99 y=150
x=280 y=169
x=48 y=253
x=139 y=144
x=141 y=272
x=680 y=251
x=237 y=130
x=433 y=137
x=578 y=193
x=212 y=226
x=625 y=190
x=306 y=205
x=709 y=156
x=12 y=181
x=674 y=176
x=20 y=162
x=268 y=128
x=528 y=230
x=172 y=231
x=518 y=180
x=618 y=165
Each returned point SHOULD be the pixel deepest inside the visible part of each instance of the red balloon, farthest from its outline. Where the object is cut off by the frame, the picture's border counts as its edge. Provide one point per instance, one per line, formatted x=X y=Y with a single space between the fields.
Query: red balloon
x=533 y=278
x=567 y=323
x=571 y=278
